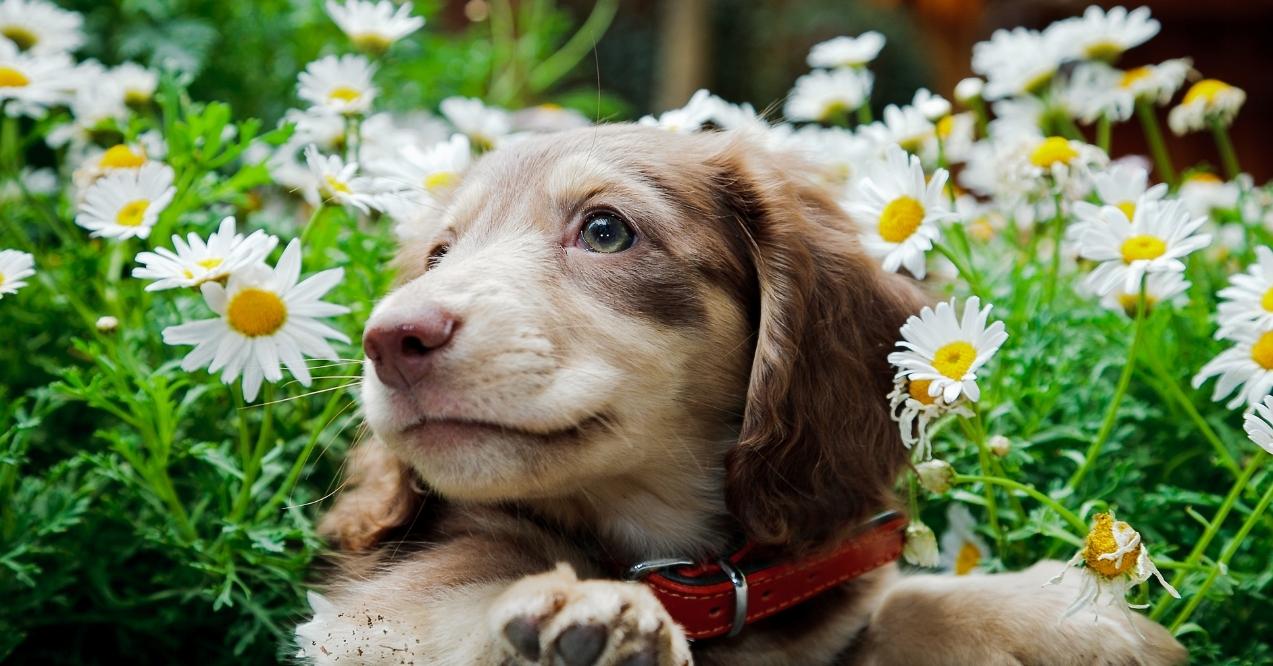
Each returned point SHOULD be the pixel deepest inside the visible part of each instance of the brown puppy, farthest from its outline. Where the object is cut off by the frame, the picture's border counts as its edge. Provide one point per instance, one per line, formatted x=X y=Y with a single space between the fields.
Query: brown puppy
x=616 y=344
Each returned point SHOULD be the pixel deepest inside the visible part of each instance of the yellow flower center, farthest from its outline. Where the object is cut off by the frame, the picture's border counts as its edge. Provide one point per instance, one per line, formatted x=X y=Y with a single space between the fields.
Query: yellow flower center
x=1128 y=208
x=336 y=185
x=256 y=312
x=1266 y=301
x=1036 y=84
x=954 y=359
x=918 y=389
x=833 y=110
x=1131 y=76
x=1206 y=90
x=1203 y=177
x=1101 y=541
x=373 y=42
x=1131 y=303
x=1103 y=50
x=967 y=559
x=132 y=213
x=1 y=279
x=135 y=98
x=121 y=157
x=439 y=180
x=945 y=126
x=549 y=106
x=1262 y=351
x=21 y=37
x=12 y=78
x=1144 y=247
x=344 y=93
x=1053 y=150
x=900 y=218
x=982 y=229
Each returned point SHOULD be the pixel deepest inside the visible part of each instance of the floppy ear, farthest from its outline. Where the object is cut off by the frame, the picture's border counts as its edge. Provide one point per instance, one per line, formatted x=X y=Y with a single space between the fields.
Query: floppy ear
x=817 y=452
x=380 y=495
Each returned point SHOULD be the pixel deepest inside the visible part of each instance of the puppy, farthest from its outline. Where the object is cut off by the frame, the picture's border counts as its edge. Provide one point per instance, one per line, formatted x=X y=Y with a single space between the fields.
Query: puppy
x=618 y=344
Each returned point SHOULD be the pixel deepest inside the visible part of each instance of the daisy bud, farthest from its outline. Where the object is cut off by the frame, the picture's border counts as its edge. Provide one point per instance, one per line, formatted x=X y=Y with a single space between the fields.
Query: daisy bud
x=107 y=324
x=921 y=546
x=935 y=475
x=969 y=89
x=999 y=445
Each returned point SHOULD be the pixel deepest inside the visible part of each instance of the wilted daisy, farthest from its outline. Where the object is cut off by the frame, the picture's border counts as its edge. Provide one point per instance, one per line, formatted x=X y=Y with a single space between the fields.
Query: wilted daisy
x=1104 y=35
x=484 y=125
x=1156 y=239
x=31 y=83
x=1206 y=101
x=264 y=317
x=1246 y=367
x=1016 y=61
x=374 y=26
x=915 y=410
x=40 y=27
x=334 y=180
x=825 y=95
x=194 y=261
x=1159 y=288
x=946 y=350
x=136 y=83
x=341 y=84
x=920 y=548
x=1258 y=424
x=899 y=211
x=1113 y=560
x=15 y=268
x=126 y=203
x=846 y=51
x=962 y=549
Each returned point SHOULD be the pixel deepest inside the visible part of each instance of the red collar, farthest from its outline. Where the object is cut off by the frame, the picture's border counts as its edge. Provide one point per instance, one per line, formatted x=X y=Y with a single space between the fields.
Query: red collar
x=720 y=598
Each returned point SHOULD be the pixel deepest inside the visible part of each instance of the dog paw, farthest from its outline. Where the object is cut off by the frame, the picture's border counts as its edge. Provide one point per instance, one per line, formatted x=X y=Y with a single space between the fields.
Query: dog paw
x=555 y=618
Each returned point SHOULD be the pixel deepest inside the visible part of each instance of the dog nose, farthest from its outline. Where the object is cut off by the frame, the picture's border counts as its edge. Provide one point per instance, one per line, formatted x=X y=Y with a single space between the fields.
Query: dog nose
x=402 y=353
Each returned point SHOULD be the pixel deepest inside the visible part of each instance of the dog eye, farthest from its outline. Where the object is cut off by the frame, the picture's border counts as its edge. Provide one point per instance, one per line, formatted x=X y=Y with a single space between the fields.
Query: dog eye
x=606 y=233
x=436 y=254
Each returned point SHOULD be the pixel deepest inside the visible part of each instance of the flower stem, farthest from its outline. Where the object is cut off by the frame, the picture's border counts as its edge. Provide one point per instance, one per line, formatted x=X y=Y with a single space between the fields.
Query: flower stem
x=328 y=416
x=1176 y=393
x=983 y=117
x=965 y=268
x=992 y=507
x=864 y=113
x=1111 y=414
x=1228 y=157
x=1069 y=516
x=1222 y=564
x=1157 y=147
x=1054 y=269
x=1103 y=127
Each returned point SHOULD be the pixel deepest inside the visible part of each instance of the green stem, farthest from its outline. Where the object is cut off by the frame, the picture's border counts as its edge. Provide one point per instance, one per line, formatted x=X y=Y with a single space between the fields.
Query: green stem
x=965 y=268
x=1228 y=157
x=1176 y=393
x=1103 y=128
x=864 y=113
x=992 y=507
x=328 y=416
x=1069 y=516
x=1157 y=147
x=983 y=117
x=253 y=466
x=580 y=44
x=1054 y=269
x=1111 y=414
x=1222 y=564
x=313 y=222
x=1213 y=528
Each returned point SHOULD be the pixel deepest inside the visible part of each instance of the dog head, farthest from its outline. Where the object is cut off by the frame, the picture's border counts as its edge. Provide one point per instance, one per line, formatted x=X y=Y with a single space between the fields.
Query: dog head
x=601 y=306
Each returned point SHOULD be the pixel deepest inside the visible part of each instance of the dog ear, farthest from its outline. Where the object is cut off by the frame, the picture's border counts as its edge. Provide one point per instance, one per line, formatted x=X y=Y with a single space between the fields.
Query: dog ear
x=817 y=452
x=381 y=494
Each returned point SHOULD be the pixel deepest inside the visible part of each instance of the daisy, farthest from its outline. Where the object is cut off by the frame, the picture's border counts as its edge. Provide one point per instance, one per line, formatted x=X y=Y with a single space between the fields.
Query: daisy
x=1092 y=91
x=335 y=180
x=40 y=27
x=484 y=125
x=196 y=261
x=264 y=317
x=915 y=410
x=1159 y=288
x=15 y=268
x=957 y=132
x=1256 y=423
x=1204 y=192
x=1062 y=163
x=1114 y=560
x=826 y=95
x=340 y=84
x=126 y=203
x=436 y=170
x=30 y=83
x=1209 y=100
x=699 y=110
x=1159 y=235
x=1156 y=83
x=1248 y=300
x=136 y=83
x=969 y=89
x=1246 y=366
x=846 y=51
x=905 y=126
x=374 y=26
x=319 y=126
x=920 y=548
x=963 y=551
x=899 y=211
x=946 y=350
x=1018 y=61
x=841 y=152
x=933 y=107
x=1102 y=35
x=1123 y=185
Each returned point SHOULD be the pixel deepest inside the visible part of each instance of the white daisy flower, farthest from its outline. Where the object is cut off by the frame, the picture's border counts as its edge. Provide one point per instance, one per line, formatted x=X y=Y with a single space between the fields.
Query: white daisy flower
x=1258 y=424
x=1204 y=192
x=437 y=170
x=899 y=211
x=341 y=84
x=946 y=350
x=1105 y=35
x=963 y=550
x=920 y=548
x=30 y=83
x=547 y=117
x=15 y=268
x=1018 y=61
x=1092 y=91
x=319 y=126
x=915 y=410
x=264 y=317
x=127 y=202
x=1246 y=367
x=1123 y=185
x=1159 y=288
x=1206 y=101
x=905 y=126
x=374 y=26
x=334 y=180
x=698 y=111
x=933 y=107
x=484 y=125
x=41 y=182
x=1156 y=83
x=824 y=95
x=969 y=89
x=1158 y=237
x=1248 y=300
x=196 y=261
x=40 y=27
x=958 y=134
x=137 y=83
x=846 y=51
x=842 y=153
x=1113 y=560
x=1065 y=162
